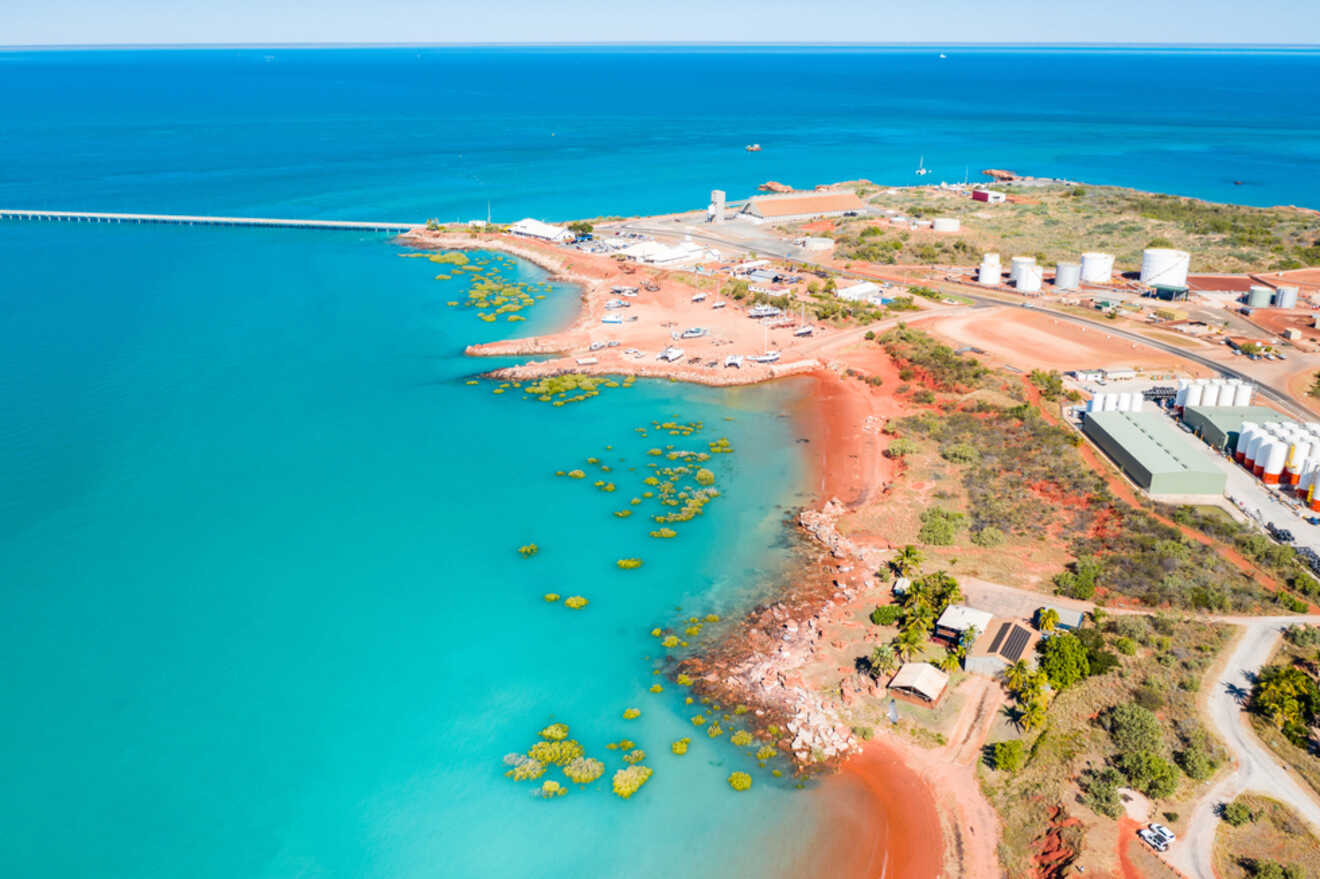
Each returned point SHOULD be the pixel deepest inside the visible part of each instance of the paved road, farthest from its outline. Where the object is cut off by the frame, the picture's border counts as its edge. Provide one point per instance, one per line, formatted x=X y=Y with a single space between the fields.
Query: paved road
x=1255 y=769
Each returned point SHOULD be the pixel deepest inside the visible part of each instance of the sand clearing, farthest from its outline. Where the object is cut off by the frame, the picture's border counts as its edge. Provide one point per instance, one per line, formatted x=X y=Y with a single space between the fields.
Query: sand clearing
x=1037 y=340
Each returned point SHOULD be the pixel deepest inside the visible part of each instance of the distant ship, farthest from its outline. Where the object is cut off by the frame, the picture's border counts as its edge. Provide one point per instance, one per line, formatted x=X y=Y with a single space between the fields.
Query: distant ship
x=942 y=55
x=922 y=170
x=753 y=148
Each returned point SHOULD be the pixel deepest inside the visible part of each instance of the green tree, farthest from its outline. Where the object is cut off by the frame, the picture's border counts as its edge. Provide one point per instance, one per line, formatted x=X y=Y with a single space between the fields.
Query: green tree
x=886 y=614
x=909 y=642
x=1314 y=390
x=1064 y=660
x=1009 y=756
x=1047 y=619
x=1289 y=698
x=1133 y=729
x=900 y=447
x=939 y=527
x=1018 y=675
x=883 y=660
x=951 y=661
x=908 y=561
x=580 y=227
x=1237 y=813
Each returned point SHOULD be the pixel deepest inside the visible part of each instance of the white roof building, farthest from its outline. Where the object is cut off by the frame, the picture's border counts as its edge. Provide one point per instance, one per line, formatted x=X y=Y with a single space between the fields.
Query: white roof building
x=921 y=679
x=655 y=253
x=959 y=618
x=859 y=292
x=530 y=228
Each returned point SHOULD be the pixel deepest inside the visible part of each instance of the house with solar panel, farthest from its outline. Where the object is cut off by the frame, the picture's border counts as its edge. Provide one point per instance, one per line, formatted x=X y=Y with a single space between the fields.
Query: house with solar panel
x=1003 y=643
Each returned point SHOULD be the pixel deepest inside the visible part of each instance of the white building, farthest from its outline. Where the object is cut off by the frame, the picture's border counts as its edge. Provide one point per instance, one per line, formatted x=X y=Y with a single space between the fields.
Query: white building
x=862 y=291
x=529 y=228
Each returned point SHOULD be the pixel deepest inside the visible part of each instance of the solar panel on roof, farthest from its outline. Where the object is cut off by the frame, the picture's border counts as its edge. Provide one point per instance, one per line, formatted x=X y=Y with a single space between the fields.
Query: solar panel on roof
x=1017 y=642
x=999 y=637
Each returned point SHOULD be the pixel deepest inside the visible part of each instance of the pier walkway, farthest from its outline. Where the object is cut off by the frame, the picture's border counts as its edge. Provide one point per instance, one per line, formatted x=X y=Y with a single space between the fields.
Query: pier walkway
x=182 y=220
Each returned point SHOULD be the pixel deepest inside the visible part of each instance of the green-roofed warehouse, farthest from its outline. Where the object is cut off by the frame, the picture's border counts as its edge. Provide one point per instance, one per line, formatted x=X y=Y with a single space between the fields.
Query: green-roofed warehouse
x=1154 y=453
x=1219 y=425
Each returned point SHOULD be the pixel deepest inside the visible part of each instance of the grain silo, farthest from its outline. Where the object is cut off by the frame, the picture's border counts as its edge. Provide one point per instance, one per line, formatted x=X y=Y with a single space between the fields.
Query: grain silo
x=1030 y=278
x=1195 y=393
x=1285 y=297
x=1166 y=267
x=1180 y=398
x=1243 y=394
x=1097 y=268
x=1210 y=396
x=1245 y=434
x=1298 y=452
x=1016 y=266
x=1260 y=296
x=1068 y=275
x=1275 y=456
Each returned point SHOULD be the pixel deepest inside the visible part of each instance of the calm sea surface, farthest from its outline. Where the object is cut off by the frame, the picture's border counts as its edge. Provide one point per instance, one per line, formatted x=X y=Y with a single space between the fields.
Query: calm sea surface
x=261 y=609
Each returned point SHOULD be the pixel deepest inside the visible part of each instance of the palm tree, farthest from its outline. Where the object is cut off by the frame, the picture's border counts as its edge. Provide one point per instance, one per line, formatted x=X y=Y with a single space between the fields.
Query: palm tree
x=951 y=661
x=1032 y=716
x=1017 y=676
x=1047 y=619
x=908 y=643
x=883 y=660
x=907 y=561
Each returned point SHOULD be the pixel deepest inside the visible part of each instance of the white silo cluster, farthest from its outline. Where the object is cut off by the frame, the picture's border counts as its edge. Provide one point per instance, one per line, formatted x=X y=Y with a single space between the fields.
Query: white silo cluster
x=1018 y=265
x=1097 y=268
x=1211 y=392
x=1283 y=453
x=1168 y=268
x=990 y=271
x=1116 y=401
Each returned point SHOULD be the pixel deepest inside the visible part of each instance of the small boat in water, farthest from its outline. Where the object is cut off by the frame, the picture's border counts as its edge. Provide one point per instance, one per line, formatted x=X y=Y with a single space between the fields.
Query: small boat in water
x=753 y=148
x=922 y=170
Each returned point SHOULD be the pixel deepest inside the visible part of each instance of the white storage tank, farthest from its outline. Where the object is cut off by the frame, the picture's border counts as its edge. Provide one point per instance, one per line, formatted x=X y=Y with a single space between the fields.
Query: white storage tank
x=989 y=273
x=1096 y=403
x=1111 y=402
x=1097 y=268
x=1210 y=396
x=1068 y=275
x=1125 y=401
x=1298 y=452
x=1258 y=441
x=1030 y=278
x=1161 y=265
x=1195 y=393
x=1242 y=395
x=1285 y=297
x=1180 y=398
x=1275 y=456
x=1245 y=434
x=1260 y=297
x=1016 y=266
x=946 y=224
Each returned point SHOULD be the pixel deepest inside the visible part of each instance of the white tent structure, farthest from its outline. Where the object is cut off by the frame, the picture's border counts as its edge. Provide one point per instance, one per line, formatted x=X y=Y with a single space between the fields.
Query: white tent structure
x=530 y=228
x=920 y=679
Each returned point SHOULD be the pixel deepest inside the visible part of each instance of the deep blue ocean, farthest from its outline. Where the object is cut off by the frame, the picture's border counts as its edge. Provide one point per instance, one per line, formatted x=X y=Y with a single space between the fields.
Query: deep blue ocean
x=261 y=608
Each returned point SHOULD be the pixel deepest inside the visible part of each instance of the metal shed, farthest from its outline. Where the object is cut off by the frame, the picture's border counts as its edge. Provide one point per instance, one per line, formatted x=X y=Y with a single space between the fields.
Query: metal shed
x=1154 y=454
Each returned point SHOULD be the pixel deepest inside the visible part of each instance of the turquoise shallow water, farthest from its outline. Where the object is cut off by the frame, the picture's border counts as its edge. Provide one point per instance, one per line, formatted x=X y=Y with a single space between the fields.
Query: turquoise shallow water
x=262 y=611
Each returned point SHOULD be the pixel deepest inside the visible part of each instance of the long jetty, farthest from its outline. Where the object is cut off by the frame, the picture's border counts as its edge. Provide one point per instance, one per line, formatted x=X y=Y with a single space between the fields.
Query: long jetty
x=183 y=220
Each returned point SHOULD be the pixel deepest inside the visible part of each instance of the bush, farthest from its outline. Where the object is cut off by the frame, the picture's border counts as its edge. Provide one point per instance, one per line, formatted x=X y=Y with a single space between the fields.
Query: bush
x=1125 y=646
x=886 y=614
x=1196 y=763
x=1149 y=773
x=1009 y=756
x=1237 y=813
x=1101 y=792
x=1133 y=728
x=900 y=447
x=988 y=536
x=1302 y=635
x=740 y=781
x=939 y=527
x=960 y=453
x=1064 y=660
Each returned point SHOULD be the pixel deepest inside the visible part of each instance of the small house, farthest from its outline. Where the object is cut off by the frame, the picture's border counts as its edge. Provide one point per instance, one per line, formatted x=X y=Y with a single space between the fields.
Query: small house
x=958 y=618
x=919 y=682
x=999 y=645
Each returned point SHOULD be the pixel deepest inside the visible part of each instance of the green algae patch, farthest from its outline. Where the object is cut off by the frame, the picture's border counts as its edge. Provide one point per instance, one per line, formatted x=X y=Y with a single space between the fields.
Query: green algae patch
x=740 y=781
x=627 y=782
x=629 y=564
x=742 y=738
x=664 y=533
x=555 y=753
x=637 y=755
x=656 y=688
x=552 y=597
x=670 y=641
x=550 y=789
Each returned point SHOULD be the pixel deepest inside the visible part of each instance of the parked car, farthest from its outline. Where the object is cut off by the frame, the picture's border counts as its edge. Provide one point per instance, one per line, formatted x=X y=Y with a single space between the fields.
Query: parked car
x=1162 y=832
x=1153 y=840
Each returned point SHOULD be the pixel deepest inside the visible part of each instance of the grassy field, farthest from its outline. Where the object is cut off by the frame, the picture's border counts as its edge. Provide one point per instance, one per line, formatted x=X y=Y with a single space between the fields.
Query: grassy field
x=1063 y=221
x=1274 y=835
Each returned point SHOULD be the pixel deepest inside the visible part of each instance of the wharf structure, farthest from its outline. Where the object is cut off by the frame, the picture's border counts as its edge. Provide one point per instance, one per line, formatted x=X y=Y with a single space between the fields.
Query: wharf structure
x=190 y=220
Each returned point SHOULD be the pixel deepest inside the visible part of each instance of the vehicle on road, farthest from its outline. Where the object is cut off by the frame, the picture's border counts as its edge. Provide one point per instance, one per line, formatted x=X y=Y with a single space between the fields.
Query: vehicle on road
x=1153 y=840
x=1162 y=832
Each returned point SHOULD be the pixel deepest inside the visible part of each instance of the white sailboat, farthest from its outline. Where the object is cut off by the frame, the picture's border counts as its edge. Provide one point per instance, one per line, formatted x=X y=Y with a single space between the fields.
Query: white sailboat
x=922 y=170
x=768 y=356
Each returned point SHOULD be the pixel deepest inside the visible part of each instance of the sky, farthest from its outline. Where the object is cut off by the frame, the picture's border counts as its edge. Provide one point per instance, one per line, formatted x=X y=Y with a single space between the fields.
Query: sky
x=98 y=22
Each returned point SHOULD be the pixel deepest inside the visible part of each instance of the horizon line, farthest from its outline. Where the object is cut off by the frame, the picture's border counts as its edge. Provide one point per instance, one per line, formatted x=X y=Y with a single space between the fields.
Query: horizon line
x=656 y=44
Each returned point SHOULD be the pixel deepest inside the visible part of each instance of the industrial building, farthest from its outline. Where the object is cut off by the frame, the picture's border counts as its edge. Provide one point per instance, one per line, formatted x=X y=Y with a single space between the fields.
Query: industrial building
x=1153 y=453
x=1219 y=426
x=530 y=228
x=803 y=206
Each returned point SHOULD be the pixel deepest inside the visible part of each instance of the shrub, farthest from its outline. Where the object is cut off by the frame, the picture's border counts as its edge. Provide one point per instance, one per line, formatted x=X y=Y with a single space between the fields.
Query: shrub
x=939 y=527
x=988 y=536
x=1125 y=646
x=960 y=453
x=1009 y=756
x=628 y=781
x=1101 y=792
x=886 y=614
x=900 y=447
x=1133 y=728
x=1064 y=660
x=1237 y=813
x=1196 y=763
x=575 y=602
x=1302 y=635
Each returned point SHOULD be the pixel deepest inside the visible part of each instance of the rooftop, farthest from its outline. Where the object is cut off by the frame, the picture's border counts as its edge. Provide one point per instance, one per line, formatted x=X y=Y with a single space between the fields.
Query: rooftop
x=922 y=678
x=960 y=618
x=1154 y=441
x=804 y=204
x=1004 y=638
x=1228 y=418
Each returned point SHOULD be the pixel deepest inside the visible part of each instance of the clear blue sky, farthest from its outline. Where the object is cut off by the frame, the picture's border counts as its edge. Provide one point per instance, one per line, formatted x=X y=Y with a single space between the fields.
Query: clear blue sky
x=32 y=22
